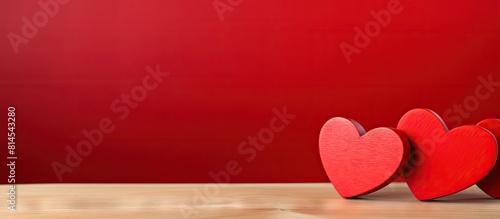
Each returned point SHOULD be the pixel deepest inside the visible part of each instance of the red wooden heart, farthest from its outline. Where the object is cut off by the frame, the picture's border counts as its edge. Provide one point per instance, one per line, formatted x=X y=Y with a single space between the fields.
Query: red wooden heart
x=491 y=183
x=357 y=163
x=445 y=162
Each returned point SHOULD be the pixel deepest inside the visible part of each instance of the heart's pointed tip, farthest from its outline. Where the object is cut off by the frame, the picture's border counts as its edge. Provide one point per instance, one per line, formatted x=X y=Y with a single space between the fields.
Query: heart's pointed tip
x=347 y=195
x=426 y=200
x=344 y=195
x=425 y=197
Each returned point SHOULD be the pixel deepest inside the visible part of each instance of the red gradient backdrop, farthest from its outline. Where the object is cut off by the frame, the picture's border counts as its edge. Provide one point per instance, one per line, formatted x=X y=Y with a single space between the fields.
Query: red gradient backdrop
x=226 y=77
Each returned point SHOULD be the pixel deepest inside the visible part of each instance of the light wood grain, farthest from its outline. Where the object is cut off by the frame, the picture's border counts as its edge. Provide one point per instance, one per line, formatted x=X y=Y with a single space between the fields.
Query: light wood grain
x=316 y=200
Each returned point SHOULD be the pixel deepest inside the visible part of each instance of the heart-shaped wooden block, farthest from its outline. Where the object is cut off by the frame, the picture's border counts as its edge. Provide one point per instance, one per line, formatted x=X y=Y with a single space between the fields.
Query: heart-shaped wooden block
x=491 y=183
x=445 y=162
x=358 y=163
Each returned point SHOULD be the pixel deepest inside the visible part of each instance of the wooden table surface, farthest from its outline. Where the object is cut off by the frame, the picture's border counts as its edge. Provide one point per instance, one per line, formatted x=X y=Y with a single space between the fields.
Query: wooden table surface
x=312 y=200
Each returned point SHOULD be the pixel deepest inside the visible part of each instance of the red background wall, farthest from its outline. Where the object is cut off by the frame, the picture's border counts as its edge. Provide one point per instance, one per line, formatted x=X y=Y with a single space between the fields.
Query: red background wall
x=225 y=79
